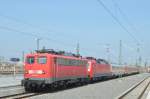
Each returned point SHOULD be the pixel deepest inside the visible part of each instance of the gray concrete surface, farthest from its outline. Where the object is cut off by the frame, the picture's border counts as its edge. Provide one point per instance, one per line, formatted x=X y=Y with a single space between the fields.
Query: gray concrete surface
x=137 y=91
x=146 y=94
x=11 y=90
x=102 y=90
x=10 y=80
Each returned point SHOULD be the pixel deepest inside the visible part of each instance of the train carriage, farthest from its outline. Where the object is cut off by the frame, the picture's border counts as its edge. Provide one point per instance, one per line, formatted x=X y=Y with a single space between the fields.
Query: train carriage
x=123 y=70
x=131 y=70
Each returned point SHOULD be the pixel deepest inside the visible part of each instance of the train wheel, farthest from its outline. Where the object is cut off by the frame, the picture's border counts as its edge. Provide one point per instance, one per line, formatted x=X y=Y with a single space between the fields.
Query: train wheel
x=27 y=88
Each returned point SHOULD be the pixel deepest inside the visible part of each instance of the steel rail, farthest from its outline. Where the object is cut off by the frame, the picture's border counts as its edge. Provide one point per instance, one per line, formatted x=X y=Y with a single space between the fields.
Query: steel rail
x=134 y=87
x=11 y=86
x=20 y=95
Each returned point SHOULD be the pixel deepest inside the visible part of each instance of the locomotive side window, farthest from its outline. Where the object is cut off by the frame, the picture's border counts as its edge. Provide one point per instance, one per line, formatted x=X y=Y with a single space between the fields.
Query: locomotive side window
x=70 y=62
x=30 y=60
x=60 y=61
x=42 y=60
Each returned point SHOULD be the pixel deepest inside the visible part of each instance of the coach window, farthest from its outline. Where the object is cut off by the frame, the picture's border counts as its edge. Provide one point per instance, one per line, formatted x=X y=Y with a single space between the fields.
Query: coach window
x=65 y=62
x=42 y=60
x=78 y=62
x=74 y=63
x=59 y=61
x=30 y=60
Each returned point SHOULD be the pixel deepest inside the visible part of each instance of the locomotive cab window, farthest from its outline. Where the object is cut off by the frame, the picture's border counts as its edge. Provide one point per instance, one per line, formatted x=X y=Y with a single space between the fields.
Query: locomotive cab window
x=30 y=60
x=42 y=60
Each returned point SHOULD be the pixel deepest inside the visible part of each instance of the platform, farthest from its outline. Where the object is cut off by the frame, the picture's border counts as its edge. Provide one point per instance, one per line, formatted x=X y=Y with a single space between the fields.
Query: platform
x=10 y=80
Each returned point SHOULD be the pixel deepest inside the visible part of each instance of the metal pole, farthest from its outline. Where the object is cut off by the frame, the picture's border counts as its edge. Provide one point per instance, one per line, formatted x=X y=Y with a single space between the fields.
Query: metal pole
x=138 y=55
x=23 y=57
x=120 y=52
x=145 y=65
x=107 y=51
x=14 y=70
x=78 y=49
x=38 y=43
x=23 y=61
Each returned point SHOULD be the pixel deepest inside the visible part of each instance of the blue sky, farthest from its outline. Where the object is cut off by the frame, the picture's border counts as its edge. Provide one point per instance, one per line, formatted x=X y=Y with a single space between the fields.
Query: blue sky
x=66 y=22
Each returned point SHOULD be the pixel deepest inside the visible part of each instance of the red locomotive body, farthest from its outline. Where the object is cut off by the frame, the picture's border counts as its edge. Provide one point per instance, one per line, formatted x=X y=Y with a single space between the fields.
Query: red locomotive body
x=38 y=66
x=43 y=69
x=98 y=69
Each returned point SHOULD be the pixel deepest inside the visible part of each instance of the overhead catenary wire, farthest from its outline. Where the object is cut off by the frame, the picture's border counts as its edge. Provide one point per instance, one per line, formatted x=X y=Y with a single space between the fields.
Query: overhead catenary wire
x=44 y=37
x=123 y=14
x=17 y=31
x=132 y=26
x=29 y=34
x=117 y=20
x=33 y=35
x=29 y=24
x=47 y=38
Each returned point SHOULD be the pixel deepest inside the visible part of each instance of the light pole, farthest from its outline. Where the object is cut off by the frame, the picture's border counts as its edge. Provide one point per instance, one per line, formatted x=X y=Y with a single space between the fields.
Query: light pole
x=108 y=52
x=78 y=49
x=120 y=52
x=139 y=59
x=38 y=43
x=22 y=56
x=14 y=70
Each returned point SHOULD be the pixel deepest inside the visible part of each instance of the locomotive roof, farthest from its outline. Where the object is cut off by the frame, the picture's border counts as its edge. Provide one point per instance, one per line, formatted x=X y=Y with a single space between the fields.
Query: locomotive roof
x=98 y=60
x=63 y=53
x=56 y=54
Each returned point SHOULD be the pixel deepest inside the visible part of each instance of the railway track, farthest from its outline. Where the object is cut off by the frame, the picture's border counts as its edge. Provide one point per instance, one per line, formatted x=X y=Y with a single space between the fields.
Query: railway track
x=20 y=95
x=11 y=90
x=137 y=91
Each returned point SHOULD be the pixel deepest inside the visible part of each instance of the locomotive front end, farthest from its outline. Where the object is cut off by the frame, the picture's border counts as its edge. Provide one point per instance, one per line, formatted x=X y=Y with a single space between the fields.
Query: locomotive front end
x=37 y=72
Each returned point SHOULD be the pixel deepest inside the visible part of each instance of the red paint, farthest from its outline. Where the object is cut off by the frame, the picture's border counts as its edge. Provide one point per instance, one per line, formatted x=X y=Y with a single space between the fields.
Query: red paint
x=52 y=69
x=96 y=69
x=36 y=67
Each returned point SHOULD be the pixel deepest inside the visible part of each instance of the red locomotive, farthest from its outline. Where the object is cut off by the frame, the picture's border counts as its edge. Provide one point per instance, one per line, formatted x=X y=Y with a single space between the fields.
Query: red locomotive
x=98 y=68
x=49 y=69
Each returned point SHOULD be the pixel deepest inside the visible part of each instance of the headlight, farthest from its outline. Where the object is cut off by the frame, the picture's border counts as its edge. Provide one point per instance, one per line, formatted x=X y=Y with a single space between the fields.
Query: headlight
x=36 y=72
